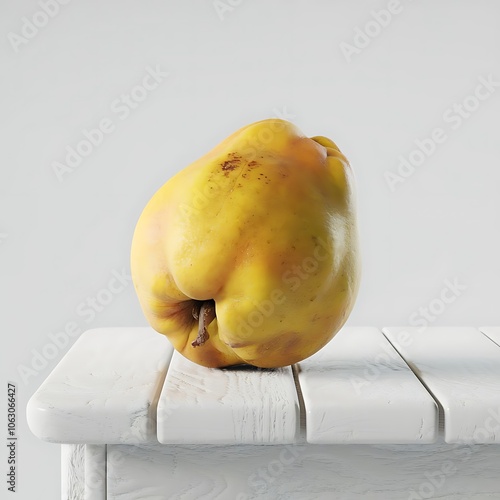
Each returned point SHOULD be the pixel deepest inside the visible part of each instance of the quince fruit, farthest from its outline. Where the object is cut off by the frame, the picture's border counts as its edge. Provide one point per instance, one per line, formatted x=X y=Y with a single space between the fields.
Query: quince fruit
x=250 y=254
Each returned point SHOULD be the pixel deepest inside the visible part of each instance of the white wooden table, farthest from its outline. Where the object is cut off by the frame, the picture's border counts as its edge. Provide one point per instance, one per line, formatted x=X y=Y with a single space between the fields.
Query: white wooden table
x=397 y=413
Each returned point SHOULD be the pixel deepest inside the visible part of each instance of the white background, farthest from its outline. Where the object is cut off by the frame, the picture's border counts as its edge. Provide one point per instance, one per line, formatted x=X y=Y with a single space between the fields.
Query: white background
x=60 y=241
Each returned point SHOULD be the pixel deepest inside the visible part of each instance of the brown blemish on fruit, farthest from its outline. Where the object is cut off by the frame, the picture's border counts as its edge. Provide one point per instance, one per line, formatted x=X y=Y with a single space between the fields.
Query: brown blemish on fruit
x=236 y=345
x=293 y=341
x=233 y=162
x=285 y=342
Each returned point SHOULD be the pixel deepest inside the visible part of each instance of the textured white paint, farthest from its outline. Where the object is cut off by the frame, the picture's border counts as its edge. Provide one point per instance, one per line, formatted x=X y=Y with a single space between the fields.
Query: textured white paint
x=304 y=472
x=357 y=389
x=493 y=332
x=104 y=390
x=95 y=472
x=72 y=471
x=83 y=472
x=461 y=367
x=214 y=406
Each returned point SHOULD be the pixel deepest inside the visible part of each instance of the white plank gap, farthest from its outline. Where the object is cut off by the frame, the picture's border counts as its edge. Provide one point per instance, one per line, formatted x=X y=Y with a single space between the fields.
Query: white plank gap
x=104 y=390
x=492 y=332
x=461 y=367
x=201 y=405
x=357 y=389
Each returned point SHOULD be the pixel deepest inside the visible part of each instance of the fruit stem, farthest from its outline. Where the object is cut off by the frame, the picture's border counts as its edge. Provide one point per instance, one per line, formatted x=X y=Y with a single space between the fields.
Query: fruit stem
x=205 y=315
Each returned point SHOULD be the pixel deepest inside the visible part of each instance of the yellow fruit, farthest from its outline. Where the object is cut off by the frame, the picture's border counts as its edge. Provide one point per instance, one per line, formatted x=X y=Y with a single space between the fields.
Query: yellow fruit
x=250 y=254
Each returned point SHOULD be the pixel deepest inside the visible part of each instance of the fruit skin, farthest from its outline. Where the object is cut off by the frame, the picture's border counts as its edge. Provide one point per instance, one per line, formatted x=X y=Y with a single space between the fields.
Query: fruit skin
x=265 y=225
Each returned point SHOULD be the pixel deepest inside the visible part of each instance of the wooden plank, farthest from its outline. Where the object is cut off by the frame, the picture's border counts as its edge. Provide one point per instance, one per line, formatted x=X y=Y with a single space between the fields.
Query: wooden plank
x=492 y=332
x=72 y=472
x=227 y=406
x=461 y=367
x=357 y=389
x=83 y=472
x=104 y=390
x=304 y=472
